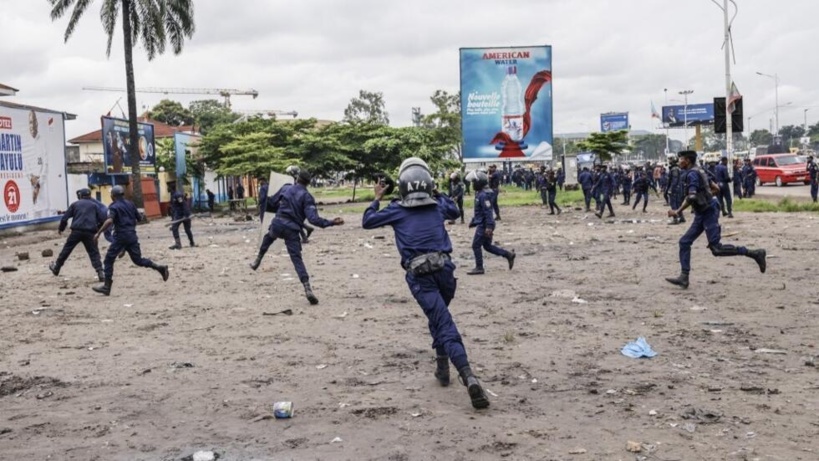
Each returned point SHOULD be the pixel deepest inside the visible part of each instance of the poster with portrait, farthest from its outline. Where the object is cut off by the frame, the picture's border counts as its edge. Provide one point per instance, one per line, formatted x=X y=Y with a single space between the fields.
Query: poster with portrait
x=32 y=165
x=116 y=147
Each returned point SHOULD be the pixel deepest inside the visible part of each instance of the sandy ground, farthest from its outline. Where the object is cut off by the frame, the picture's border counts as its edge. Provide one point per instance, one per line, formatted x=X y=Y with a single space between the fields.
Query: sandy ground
x=158 y=371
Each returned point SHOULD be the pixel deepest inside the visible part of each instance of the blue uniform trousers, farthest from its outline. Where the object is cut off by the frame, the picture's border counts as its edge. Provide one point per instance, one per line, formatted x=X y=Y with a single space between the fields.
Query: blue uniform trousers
x=187 y=226
x=605 y=200
x=587 y=196
x=434 y=292
x=738 y=189
x=87 y=239
x=725 y=200
x=292 y=241
x=626 y=194
x=127 y=242
x=708 y=222
x=640 y=196
x=482 y=241
x=814 y=188
x=495 y=206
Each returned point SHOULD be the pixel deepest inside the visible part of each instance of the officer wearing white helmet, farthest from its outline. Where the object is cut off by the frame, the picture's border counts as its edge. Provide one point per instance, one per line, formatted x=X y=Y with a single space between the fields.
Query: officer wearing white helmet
x=417 y=219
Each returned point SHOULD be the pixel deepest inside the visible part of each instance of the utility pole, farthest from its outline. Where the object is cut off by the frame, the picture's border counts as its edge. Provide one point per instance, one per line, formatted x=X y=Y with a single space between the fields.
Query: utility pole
x=685 y=93
x=667 y=145
x=775 y=78
x=729 y=126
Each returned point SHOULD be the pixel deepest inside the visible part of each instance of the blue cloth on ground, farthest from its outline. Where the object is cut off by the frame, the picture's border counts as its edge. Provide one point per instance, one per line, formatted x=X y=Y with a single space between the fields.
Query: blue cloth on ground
x=638 y=349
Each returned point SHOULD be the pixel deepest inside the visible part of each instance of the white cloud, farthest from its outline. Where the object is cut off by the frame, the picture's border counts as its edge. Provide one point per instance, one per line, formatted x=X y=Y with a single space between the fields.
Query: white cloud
x=314 y=55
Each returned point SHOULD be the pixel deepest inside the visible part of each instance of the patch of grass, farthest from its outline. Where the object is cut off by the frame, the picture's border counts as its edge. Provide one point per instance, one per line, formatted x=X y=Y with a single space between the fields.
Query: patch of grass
x=786 y=205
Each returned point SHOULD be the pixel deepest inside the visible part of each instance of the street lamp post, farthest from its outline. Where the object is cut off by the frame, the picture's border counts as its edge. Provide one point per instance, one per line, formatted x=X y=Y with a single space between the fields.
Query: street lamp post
x=775 y=78
x=685 y=93
x=806 y=121
x=667 y=142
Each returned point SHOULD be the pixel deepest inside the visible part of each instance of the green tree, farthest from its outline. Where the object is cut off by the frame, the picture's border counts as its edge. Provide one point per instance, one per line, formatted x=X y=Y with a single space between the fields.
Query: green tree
x=368 y=107
x=791 y=134
x=171 y=112
x=155 y=23
x=761 y=138
x=651 y=145
x=565 y=146
x=605 y=145
x=208 y=113
x=445 y=124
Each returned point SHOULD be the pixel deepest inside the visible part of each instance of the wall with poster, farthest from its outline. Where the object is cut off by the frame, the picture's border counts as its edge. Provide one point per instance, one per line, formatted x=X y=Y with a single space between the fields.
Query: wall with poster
x=32 y=165
x=115 y=145
x=694 y=114
x=613 y=121
x=506 y=103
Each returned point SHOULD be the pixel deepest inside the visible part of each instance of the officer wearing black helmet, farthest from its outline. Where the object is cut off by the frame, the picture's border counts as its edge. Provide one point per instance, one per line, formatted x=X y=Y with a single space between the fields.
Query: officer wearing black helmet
x=813 y=172
x=86 y=218
x=292 y=204
x=306 y=230
x=181 y=214
x=700 y=196
x=417 y=219
x=123 y=215
x=484 y=224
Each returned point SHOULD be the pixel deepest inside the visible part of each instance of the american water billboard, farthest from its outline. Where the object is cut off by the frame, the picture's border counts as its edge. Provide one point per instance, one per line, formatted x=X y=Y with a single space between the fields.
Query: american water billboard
x=506 y=103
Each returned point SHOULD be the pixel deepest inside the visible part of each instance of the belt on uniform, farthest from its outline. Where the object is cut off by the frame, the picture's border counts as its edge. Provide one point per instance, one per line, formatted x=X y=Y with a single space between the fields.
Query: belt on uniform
x=427 y=263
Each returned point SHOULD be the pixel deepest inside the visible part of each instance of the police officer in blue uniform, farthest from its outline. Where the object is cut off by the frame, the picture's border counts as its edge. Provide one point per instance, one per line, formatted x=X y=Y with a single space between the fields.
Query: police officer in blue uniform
x=723 y=180
x=456 y=193
x=181 y=214
x=123 y=215
x=86 y=218
x=484 y=225
x=699 y=196
x=550 y=185
x=605 y=188
x=417 y=219
x=263 y=191
x=675 y=188
x=748 y=179
x=306 y=230
x=585 y=180
x=495 y=178
x=626 y=181
x=738 y=179
x=641 y=186
x=813 y=171
x=595 y=190
x=292 y=205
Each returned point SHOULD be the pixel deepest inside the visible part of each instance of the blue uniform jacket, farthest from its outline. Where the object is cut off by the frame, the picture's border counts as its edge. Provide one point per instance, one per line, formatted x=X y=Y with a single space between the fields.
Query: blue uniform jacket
x=456 y=191
x=293 y=204
x=693 y=184
x=585 y=180
x=812 y=170
x=125 y=217
x=179 y=206
x=495 y=180
x=418 y=230
x=722 y=175
x=605 y=183
x=748 y=174
x=484 y=216
x=84 y=215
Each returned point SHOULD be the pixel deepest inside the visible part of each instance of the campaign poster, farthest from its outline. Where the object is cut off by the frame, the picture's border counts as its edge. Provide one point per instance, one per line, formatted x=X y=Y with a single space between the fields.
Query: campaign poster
x=693 y=114
x=116 y=146
x=32 y=165
x=613 y=121
x=506 y=103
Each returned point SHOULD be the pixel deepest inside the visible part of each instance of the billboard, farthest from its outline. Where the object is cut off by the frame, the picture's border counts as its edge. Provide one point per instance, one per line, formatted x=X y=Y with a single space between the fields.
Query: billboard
x=506 y=103
x=32 y=165
x=694 y=114
x=115 y=146
x=613 y=121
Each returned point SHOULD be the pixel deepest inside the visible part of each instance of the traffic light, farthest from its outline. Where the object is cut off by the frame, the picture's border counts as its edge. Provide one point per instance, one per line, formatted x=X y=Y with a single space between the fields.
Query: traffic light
x=719 y=116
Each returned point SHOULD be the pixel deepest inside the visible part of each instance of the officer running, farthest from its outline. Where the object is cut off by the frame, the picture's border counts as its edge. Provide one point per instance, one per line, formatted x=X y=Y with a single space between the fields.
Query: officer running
x=675 y=190
x=456 y=193
x=699 y=196
x=123 y=215
x=495 y=178
x=605 y=188
x=425 y=247
x=626 y=181
x=181 y=214
x=86 y=218
x=484 y=225
x=292 y=205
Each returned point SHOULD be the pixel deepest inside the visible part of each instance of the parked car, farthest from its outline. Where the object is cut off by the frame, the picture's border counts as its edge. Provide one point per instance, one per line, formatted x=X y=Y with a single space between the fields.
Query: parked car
x=780 y=169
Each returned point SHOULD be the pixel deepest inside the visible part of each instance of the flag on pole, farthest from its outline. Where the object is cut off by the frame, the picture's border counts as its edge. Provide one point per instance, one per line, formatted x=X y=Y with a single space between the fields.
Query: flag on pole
x=733 y=98
x=654 y=113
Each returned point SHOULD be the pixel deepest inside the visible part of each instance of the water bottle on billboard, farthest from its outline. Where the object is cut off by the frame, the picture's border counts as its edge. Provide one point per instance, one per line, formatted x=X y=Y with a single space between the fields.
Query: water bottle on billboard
x=512 y=105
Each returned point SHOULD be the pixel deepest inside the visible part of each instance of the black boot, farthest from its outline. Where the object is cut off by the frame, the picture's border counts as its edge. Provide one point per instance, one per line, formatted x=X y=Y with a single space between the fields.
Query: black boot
x=511 y=259
x=760 y=257
x=442 y=372
x=308 y=292
x=162 y=270
x=675 y=221
x=105 y=288
x=681 y=281
x=559 y=211
x=101 y=275
x=54 y=268
x=256 y=263
x=476 y=271
x=473 y=386
x=192 y=244
x=307 y=234
x=177 y=245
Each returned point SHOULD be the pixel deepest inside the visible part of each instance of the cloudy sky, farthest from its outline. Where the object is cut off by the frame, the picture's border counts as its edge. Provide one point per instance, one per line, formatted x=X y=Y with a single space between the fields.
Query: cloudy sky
x=312 y=56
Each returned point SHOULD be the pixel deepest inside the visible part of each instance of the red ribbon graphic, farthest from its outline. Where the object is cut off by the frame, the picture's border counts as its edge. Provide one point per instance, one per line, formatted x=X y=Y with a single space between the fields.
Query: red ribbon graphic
x=511 y=148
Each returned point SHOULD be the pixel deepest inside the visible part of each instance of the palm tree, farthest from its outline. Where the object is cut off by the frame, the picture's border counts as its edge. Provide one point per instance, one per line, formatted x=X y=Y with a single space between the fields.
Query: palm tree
x=155 y=23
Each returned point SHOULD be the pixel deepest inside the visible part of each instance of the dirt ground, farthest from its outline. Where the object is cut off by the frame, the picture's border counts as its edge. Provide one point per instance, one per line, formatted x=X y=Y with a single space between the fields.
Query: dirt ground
x=158 y=371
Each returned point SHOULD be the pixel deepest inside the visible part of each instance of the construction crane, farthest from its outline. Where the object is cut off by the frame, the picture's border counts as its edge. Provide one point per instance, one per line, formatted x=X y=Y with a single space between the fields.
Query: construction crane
x=246 y=114
x=223 y=92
